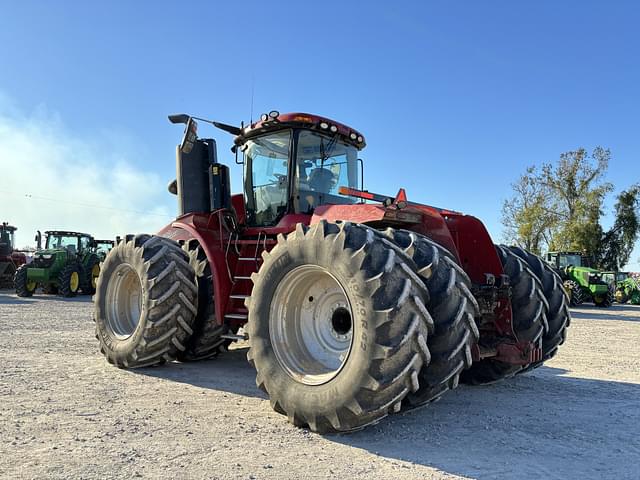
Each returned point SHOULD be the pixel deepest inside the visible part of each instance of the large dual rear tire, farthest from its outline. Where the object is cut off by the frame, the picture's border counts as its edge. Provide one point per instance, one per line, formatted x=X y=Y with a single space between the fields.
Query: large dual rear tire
x=338 y=327
x=558 y=317
x=145 y=302
x=206 y=341
x=453 y=309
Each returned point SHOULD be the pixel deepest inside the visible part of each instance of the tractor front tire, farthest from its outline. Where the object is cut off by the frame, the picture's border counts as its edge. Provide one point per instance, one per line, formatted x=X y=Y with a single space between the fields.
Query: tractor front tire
x=24 y=287
x=558 y=317
x=337 y=327
x=6 y=279
x=206 y=341
x=607 y=301
x=145 y=302
x=529 y=308
x=91 y=274
x=69 y=281
x=453 y=309
x=621 y=295
x=574 y=291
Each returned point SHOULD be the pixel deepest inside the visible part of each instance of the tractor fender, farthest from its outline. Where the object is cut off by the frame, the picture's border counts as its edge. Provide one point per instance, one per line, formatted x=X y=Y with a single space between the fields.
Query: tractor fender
x=477 y=251
x=479 y=258
x=202 y=227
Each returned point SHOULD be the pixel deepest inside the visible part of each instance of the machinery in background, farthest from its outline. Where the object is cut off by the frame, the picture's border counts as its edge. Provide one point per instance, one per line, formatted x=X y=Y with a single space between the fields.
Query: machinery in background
x=10 y=258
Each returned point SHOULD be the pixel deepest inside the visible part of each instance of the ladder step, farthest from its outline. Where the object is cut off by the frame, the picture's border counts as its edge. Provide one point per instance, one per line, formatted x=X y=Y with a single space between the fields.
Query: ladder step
x=239 y=296
x=237 y=316
x=269 y=241
x=238 y=338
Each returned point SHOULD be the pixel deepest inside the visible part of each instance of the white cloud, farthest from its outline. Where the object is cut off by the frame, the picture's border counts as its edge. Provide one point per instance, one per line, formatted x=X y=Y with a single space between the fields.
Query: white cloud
x=53 y=180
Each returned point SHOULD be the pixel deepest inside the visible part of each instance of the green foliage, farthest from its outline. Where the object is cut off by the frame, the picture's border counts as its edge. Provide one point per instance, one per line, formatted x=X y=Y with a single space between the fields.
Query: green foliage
x=617 y=244
x=526 y=215
x=559 y=206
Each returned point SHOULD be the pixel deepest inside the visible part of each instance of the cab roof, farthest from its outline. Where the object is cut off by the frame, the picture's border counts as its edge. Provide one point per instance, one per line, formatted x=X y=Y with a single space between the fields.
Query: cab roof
x=68 y=234
x=274 y=121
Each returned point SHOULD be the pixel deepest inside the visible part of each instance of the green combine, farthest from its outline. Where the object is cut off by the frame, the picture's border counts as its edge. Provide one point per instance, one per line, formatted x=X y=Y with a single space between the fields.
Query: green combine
x=626 y=287
x=69 y=263
x=582 y=283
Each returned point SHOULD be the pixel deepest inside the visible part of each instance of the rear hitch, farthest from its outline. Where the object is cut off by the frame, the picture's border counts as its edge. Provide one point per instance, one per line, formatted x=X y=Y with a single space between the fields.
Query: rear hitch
x=491 y=293
x=514 y=353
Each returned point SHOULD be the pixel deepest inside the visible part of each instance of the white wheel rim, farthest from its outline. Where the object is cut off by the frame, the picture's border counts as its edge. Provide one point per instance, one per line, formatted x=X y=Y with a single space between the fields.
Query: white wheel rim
x=310 y=325
x=123 y=301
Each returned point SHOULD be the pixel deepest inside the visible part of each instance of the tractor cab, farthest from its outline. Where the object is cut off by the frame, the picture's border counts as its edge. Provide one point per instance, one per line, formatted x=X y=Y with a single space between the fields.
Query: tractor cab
x=6 y=238
x=622 y=276
x=293 y=163
x=73 y=242
x=561 y=260
x=102 y=247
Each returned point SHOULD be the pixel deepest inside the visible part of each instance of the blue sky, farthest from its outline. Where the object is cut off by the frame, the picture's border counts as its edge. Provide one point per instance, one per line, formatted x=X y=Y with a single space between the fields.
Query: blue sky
x=455 y=98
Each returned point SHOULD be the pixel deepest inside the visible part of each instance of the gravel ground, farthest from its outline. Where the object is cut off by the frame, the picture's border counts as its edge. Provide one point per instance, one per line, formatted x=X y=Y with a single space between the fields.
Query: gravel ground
x=66 y=413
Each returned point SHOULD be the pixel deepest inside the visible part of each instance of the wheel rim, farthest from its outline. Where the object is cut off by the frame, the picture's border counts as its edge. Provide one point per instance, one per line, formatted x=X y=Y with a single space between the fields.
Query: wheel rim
x=310 y=325
x=123 y=301
x=95 y=273
x=31 y=285
x=74 y=281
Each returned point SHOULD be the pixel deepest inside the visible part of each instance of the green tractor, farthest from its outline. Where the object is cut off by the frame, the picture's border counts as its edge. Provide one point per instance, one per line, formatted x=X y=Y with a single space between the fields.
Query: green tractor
x=69 y=263
x=582 y=283
x=626 y=287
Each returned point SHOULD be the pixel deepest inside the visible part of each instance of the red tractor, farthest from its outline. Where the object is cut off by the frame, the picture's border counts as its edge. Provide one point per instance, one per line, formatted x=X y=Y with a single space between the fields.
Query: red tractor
x=355 y=305
x=10 y=259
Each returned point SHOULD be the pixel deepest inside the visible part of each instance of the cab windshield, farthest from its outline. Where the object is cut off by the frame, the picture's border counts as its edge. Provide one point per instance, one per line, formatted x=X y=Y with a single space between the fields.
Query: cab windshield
x=566 y=260
x=70 y=242
x=323 y=165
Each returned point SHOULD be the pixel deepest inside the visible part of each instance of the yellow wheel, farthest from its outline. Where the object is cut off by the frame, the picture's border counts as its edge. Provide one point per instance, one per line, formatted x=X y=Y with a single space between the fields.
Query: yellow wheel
x=25 y=287
x=69 y=281
x=95 y=273
x=74 y=281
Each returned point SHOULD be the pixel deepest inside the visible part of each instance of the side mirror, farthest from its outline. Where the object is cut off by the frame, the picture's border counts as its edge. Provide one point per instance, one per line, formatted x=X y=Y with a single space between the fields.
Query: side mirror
x=179 y=118
x=190 y=136
x=173 y=187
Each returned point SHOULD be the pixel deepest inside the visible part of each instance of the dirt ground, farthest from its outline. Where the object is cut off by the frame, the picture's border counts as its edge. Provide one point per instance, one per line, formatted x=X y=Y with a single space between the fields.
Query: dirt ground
x=66 y=413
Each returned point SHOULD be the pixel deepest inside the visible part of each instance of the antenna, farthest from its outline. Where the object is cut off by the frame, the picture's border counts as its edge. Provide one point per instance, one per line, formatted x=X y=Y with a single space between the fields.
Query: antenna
x=252 y=89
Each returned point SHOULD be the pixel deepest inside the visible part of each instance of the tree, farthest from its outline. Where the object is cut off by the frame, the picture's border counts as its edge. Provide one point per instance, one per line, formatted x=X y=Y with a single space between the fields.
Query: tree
x=617 y=243
x=527 y=215
x=576 y=188
x=559 y=206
